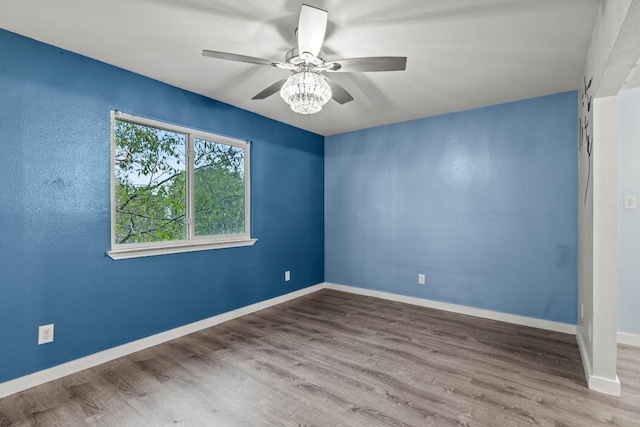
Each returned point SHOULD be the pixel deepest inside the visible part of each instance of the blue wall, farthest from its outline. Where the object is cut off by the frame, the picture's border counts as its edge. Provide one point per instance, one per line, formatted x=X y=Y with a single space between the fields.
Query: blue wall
x=55 y=211
x=629 y=219
x=483 y=202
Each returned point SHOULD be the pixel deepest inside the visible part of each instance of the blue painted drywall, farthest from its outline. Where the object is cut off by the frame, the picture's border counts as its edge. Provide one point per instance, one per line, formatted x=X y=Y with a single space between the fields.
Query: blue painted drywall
x=55 y=214
x=629 y=219
x=483 y=202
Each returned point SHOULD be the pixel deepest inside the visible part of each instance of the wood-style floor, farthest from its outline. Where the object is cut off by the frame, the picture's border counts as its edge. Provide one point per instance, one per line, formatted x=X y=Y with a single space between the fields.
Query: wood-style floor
x=336 y=359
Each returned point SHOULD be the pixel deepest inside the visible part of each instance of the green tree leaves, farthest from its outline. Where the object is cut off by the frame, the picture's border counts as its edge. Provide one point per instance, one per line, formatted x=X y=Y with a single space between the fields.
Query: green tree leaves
x=151 y=185
x=218 y=188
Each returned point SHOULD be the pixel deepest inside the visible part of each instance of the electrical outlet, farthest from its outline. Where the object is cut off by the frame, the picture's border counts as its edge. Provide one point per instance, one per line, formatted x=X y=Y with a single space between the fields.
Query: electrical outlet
x=421 y=279
x=45 y=334
x=287 y=276
x=581 y=310
x=629 y=202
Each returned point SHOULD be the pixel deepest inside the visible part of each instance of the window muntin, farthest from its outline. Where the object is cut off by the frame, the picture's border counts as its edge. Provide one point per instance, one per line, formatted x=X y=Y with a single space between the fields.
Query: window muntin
x=176 y=189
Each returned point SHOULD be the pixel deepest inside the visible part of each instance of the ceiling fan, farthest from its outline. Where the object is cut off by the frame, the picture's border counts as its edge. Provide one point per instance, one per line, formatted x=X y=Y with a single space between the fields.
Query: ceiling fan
x=307 y=89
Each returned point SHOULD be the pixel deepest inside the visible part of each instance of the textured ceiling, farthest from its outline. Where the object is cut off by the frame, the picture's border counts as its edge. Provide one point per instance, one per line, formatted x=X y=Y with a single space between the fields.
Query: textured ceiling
x=461 y=53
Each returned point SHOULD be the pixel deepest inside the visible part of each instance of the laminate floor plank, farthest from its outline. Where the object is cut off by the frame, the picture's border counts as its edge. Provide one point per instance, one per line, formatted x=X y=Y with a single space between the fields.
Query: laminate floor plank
x=337 y=359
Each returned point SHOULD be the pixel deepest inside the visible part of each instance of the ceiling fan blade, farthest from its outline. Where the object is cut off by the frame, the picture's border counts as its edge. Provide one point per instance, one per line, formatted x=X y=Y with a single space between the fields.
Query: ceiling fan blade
x=373 y=63
x=271 y=89
x=235 y=57
x=312 y=26
x=338 y=93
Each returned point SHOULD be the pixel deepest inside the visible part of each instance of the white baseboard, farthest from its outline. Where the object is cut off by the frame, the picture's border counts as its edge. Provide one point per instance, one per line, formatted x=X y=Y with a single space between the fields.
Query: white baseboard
x=461 y=309
x=628 y=339
x=603 y=385
x=59 y=371
x=19 y=384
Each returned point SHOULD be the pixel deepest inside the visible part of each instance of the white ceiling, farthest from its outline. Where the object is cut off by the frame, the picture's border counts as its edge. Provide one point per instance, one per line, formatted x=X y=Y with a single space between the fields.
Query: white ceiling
x=461 y=53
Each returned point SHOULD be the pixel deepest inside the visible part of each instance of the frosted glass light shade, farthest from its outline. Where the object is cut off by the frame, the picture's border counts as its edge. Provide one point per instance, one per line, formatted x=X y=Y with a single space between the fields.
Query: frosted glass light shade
x=306 y=92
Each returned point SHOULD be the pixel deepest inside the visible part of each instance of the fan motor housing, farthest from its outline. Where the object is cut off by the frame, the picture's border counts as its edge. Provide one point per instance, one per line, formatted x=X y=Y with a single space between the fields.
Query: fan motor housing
x=293 y=57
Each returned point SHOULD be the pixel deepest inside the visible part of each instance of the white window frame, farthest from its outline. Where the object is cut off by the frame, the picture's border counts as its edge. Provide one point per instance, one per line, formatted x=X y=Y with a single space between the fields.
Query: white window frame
x=192 y=242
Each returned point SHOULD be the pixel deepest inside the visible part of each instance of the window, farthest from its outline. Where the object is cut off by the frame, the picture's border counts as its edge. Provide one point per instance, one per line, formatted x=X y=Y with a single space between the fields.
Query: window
x=176 y=189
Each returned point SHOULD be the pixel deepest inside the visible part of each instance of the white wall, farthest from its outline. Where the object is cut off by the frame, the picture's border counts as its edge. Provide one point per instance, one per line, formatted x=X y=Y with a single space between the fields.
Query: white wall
x=612 y=54
x=629 y=219
x=605 y=242
x=597 y=324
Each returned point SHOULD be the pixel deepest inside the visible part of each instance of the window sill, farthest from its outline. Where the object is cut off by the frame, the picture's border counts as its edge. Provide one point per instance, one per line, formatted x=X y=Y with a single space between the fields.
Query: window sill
x=176 y=249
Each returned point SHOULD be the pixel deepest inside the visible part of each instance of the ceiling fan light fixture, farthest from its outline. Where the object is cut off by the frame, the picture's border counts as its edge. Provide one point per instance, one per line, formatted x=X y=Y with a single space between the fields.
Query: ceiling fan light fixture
x=308 y=89
x=306 y=92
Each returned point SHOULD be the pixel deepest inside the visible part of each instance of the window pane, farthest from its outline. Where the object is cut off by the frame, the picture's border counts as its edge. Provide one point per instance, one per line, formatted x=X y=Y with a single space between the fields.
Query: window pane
x=218 y=188
x=150 y=184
